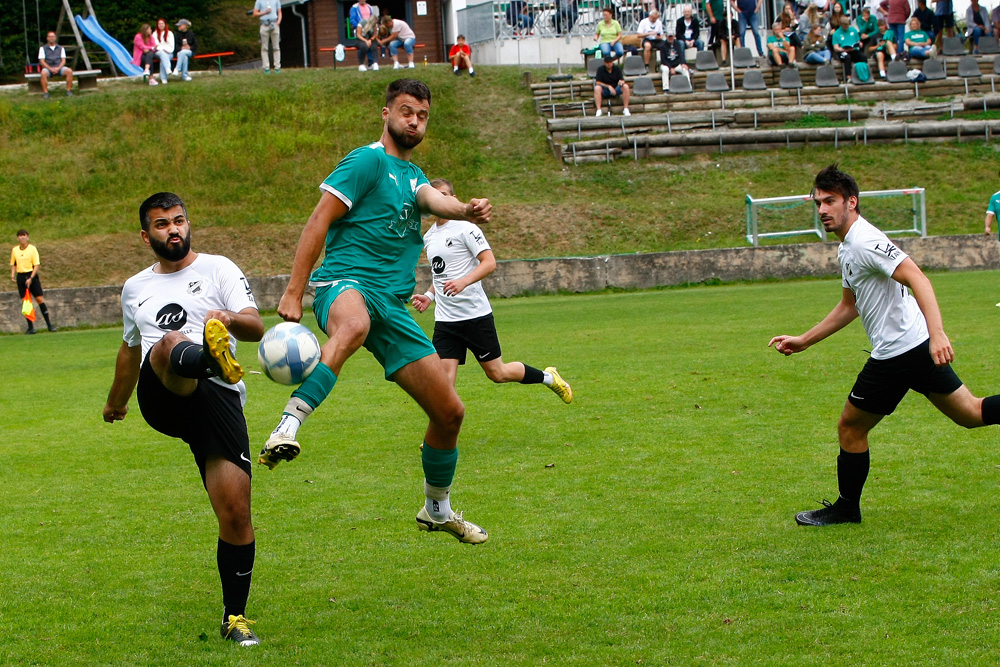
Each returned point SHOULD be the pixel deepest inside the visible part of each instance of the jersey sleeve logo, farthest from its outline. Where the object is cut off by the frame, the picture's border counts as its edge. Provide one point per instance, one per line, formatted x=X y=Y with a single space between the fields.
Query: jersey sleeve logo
x=887 y=249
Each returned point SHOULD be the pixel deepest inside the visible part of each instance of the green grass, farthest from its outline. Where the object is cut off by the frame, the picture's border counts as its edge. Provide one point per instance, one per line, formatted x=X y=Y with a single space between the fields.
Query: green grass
x=663 y=533
x=819 y=120
x=248 y=151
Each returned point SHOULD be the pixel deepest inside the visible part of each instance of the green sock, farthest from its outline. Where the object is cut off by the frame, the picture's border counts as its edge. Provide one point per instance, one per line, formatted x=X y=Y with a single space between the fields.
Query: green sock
x=439 y=465
x=317 y=386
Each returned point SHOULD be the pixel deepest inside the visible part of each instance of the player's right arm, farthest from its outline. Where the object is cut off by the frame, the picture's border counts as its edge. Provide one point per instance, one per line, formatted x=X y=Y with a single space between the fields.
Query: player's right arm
x=329 y=209
x=126 y=375
x=842 y=314
x=988 y=223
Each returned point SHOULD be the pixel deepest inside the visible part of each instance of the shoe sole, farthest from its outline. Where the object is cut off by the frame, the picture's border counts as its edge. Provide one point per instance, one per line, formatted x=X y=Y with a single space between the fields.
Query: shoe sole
x=217 y=345
x=432 y=527
x=274 y=454
x=803 y=519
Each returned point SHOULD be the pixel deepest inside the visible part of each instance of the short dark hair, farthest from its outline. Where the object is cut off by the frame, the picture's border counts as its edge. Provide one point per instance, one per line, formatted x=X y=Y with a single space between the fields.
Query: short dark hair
x=832 y=179
x=414 y=87
x=162 y=200
x=609 y=10
x=609 y=59
x=443 y=182
x=460 y=37
x=22 y=232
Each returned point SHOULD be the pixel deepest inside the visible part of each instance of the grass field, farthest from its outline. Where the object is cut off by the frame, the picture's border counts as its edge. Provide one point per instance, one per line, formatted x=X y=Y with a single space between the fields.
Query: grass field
x=662 y=533
x=247 y=152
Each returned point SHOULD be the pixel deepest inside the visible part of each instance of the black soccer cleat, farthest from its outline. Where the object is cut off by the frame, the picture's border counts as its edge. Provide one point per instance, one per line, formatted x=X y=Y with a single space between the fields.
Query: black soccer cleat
x=237 y=629
x=830 y=514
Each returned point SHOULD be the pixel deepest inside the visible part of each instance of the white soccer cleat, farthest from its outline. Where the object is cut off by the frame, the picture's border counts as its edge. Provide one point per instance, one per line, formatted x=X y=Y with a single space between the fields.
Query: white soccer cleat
x=464 y=531
x=279 y=447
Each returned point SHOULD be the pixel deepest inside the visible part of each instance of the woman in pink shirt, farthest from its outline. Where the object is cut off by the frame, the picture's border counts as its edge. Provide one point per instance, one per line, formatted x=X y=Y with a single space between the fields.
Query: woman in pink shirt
x=143 y=48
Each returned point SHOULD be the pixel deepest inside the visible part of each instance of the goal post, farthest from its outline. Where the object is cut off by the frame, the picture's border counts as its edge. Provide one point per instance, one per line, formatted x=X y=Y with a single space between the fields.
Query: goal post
x=893 y=211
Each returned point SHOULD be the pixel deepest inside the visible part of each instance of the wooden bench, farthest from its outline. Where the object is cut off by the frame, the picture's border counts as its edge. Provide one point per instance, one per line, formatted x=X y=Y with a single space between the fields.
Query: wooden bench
x=330 y=49
x=87 y=80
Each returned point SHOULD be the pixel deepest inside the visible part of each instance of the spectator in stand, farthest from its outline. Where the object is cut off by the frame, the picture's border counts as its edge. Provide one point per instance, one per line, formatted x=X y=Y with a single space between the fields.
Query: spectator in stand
x=164 y=40
x=609 y=35
x=719 y=27
x=400 y=34
x=672 y=59
x=918 y=43
x=833 y=18
x=610 y=82
x=143 y=51
x=779 y=51
x=748 y=16
x=53 y=60
x=269 y=13
x=847 y=45
x=364 y=21
x=995 y=19
x=519 y=16
x=790 y=28
x=185 y=47
x=885 y=50
x=944 y=17
x=810 y=18
x=461 y=57
x=650 y=30
x=688 y=29
x=977 y=24
x=867 y=29
x=898 y=13
x=566 y=15
x=816 y=52
x=926 y=17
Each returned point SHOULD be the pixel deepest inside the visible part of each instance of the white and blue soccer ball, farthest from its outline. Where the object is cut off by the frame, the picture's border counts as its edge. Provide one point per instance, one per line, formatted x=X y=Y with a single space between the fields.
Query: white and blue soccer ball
x=288 y=353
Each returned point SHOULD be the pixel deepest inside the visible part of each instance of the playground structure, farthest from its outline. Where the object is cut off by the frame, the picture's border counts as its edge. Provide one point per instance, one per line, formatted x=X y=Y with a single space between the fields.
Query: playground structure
x=70 y=31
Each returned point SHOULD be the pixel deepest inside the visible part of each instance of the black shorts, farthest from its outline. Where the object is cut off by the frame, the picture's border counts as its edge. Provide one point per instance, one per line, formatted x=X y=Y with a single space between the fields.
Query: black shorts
x=452 y=339
x=946 y=21
x=210 y=420
x=36 y=285
x=882 y=383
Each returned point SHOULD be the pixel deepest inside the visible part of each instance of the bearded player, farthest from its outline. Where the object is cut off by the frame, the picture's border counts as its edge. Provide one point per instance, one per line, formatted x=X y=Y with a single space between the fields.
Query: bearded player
x=368 y=221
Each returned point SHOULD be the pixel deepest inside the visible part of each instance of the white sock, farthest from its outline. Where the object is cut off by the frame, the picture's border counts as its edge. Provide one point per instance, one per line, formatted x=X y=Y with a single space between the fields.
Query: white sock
x=288 y=425
x=454 y=69
x=438 y=501
x=547 y=378
x=471 y=70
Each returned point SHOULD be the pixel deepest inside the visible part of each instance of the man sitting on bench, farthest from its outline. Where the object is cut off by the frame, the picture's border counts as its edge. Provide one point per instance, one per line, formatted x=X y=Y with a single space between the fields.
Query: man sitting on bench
x=53 y=60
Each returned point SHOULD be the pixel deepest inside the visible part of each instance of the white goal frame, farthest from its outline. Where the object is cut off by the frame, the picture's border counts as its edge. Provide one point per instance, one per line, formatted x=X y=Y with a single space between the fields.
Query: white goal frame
x=754 y=234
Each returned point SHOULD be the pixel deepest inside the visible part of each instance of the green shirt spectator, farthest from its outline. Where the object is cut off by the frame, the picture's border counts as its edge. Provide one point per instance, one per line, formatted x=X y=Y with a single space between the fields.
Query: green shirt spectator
x=869 y=27
x=846 y=37
x=608 y=32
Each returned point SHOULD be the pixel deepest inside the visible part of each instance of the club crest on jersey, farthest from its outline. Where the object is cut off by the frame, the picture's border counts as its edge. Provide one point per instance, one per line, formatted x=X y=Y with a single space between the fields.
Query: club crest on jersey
x=449 y=242
x=194 y=287
x=405 y=221
x=171 y=317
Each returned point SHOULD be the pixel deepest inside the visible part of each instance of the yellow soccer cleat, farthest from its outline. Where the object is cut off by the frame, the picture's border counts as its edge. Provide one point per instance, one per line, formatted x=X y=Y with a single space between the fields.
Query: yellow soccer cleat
x=220 y=358
x=560 y=386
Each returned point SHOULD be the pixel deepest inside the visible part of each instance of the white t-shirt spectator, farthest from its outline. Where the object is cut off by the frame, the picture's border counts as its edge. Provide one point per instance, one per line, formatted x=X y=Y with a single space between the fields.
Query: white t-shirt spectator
x=453 y=250
x=889 y=313
x=404 y=30
x=646 y=26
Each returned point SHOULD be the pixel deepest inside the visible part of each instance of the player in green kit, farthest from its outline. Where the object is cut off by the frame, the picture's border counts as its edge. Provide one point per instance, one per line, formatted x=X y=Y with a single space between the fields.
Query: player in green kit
x=368 y=218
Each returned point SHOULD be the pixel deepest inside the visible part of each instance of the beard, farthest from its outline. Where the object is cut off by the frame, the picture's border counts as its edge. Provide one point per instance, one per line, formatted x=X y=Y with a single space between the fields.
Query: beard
x=171 y=253
x=402 y=139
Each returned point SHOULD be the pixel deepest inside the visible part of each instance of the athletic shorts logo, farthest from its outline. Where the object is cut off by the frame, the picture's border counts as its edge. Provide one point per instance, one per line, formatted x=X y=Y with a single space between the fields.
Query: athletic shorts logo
x=860 y=398
x=437 y=265
x=171 y=317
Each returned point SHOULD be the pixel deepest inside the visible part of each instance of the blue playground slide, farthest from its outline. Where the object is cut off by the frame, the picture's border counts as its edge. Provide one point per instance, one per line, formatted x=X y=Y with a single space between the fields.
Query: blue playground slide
x=118 y=53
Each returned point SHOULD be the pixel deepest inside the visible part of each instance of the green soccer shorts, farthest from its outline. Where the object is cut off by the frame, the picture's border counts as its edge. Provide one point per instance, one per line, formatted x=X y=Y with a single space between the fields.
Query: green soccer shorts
x=394 y=337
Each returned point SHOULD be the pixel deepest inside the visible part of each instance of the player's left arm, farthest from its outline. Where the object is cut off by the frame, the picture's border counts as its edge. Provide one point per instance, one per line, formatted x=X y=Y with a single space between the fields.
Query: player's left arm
x=429 y=200
x=989 y=219
x=126 y=376
x=244 y=325
x=909 y=275
x=487 y=265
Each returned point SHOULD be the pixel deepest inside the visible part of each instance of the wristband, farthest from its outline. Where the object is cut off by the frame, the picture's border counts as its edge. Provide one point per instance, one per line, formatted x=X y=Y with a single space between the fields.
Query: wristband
x=430 y=295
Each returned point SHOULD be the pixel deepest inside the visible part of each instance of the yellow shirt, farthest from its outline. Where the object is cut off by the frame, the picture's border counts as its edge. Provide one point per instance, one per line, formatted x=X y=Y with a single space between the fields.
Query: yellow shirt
x=25 y=260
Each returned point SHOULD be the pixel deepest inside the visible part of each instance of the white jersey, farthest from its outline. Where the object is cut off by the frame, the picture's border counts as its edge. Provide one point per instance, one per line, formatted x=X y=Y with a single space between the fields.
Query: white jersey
x=891 y=316
x=453 y=249
x=155 y=303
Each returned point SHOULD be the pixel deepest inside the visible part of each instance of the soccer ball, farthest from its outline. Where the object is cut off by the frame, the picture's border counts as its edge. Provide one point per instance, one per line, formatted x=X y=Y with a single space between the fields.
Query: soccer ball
x=288 y=353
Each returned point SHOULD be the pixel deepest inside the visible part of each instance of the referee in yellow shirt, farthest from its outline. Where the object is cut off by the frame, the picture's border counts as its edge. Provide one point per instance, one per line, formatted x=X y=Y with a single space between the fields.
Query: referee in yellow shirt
x=24 y=271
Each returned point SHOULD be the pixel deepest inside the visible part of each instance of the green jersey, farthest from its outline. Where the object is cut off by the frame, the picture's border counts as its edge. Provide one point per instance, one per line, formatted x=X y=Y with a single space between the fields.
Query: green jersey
x=378 y=241
x=994 y=206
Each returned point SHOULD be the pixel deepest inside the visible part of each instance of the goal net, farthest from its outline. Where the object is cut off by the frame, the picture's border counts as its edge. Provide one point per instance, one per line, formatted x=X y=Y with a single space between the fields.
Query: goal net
x=892 y=211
